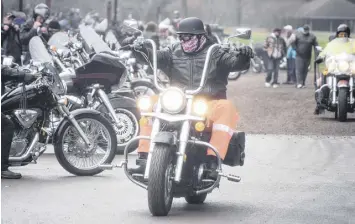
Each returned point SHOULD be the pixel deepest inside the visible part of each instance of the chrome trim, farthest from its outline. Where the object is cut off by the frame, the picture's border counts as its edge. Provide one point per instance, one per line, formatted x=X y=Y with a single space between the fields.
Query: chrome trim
x=108 y=105
x=172 y=118
x=28 y=152
x=155 y=130
x=351 y=90
x=334 y=82
x=183 y=139
x=219 y=163
x=125 y=161
x=75 y=124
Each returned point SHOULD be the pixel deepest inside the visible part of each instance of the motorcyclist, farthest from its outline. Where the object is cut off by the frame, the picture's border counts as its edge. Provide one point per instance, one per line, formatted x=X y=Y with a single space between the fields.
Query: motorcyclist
x=183 y=63
x=7 y=127
x=53 y=27
x=34 y=26
x=342 y=43
x=10 y=39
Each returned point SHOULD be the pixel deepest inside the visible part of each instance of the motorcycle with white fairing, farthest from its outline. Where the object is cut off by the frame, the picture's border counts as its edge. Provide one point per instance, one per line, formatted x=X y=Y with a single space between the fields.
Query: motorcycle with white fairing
x=176 y=163
x=336 y=85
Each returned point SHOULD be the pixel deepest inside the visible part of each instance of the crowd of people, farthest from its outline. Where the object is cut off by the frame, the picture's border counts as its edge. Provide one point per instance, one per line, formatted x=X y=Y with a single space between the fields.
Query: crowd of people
x=297 y=47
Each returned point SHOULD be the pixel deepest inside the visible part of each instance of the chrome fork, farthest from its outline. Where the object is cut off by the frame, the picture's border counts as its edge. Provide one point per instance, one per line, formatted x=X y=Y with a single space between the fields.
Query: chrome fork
x=155 y=130
x=351 y=90
x=71 y=118
x=334 y=91
x=183 y=140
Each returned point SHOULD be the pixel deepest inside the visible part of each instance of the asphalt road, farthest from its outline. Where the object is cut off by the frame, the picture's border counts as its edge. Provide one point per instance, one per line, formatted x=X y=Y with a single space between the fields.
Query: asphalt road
x=286 y=179
x=305 y=175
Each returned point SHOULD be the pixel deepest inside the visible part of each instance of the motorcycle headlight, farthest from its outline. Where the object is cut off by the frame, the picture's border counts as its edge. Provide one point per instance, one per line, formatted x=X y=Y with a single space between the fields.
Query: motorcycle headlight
x=343 y=66
x=144 y=103
x=332 y=66
x=200 y=107
x=173 y=100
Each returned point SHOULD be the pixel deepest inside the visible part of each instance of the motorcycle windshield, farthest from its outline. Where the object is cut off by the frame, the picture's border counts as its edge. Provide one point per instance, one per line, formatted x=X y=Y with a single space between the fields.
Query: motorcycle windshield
x=93 y=40
x=59 y=40
x=40 y=55
x=38 y=51
x=111 y=38
x=339 y=46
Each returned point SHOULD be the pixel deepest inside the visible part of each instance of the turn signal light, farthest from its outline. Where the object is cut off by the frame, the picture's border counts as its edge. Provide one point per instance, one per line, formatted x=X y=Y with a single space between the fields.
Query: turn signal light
x=200 y=126
x=143 y=121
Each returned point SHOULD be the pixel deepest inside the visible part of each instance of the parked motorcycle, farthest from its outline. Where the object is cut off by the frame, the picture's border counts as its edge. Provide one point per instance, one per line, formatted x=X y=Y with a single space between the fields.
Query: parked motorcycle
x=83 y=140
x=336 y=93
x=176 y=166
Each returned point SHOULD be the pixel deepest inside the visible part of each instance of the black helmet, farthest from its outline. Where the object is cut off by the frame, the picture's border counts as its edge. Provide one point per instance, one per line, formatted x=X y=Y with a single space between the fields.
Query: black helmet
x=343 y=28
x=41 y=10
x=191 y=25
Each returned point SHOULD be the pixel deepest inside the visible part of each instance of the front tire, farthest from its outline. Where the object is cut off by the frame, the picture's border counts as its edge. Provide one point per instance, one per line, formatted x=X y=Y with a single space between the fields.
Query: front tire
x=160 y=183
x=110 y=136
x=343 y=104
x=196 y=199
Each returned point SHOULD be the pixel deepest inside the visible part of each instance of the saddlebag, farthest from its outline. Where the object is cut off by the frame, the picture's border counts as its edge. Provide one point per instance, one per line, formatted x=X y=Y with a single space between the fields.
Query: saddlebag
x=235 y=154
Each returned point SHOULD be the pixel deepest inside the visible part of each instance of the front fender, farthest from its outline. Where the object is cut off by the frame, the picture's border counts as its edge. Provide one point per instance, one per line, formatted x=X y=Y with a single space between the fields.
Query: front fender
x=122 y=101
x=65 y=120
x=343 y=84
x=167 y=138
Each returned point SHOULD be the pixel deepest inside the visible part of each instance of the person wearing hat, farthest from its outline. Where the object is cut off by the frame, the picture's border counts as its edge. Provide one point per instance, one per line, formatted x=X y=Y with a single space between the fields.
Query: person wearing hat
x=275 y=46
x=53 y=27
x=10 y=38
x=34 y=26
x=303 y=44
x=184 y=62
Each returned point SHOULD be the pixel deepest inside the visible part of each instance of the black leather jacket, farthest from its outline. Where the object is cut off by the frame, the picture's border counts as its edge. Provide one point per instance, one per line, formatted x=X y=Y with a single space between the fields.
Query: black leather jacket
x=185 y=70
x=10 y=42
x=27 y=32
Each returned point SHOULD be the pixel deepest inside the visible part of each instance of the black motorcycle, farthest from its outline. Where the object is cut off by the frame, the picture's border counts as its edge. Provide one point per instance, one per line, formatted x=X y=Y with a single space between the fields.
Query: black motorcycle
x=83 y=140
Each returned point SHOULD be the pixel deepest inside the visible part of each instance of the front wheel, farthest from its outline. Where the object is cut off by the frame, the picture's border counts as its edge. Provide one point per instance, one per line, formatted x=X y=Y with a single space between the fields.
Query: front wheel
x=73 y=154
x=129 y=126
x=342 y=104
x=160 y=183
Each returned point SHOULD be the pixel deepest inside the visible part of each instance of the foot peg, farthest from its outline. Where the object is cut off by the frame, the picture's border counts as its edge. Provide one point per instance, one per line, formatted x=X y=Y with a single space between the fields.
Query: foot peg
x=231 y=177
x=111 y=166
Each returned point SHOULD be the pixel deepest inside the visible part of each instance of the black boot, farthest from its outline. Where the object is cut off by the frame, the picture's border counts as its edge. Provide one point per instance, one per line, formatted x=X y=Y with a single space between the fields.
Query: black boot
x=7 y=174
x=212 y=167
x=141 y=162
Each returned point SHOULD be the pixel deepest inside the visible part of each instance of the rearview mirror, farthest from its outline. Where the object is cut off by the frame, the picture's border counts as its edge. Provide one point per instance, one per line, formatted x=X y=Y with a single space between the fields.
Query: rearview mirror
x=243 y=33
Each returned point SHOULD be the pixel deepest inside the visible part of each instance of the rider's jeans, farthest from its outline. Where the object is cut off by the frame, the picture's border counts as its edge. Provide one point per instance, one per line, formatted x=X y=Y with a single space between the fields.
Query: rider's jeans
x=223 y=115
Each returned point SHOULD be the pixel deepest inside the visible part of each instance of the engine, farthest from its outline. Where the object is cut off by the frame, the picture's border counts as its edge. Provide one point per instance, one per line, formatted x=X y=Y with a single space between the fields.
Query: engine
x=20 y=141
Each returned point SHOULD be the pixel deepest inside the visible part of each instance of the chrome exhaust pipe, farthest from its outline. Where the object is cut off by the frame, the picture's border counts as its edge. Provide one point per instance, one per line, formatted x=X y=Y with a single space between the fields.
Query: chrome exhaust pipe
x=28 y=152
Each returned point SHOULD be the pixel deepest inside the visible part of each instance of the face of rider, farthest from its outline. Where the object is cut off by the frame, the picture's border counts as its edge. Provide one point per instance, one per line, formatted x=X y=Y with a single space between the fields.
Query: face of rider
x=40 y=19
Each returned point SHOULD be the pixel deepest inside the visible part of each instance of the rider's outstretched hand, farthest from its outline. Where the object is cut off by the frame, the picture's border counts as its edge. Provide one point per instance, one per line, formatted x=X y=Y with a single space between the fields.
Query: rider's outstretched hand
x=247 y=51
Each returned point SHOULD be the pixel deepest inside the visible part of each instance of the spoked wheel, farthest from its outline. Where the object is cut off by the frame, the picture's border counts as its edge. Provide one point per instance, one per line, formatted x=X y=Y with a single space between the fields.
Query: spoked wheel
x=196 y=199
x=160 y=183
x=127 y=130
x=75 y=156
x=128 y=127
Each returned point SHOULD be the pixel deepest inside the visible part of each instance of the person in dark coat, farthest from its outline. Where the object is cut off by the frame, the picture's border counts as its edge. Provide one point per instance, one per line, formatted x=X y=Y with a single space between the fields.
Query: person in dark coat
x=10 y=38
x=303 y=44
x=34 y=27
x=151 y=32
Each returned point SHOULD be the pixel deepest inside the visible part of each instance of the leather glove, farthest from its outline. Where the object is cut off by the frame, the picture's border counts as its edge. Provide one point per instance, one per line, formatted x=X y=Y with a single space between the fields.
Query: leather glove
x=128 y=41
x=247 y=51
